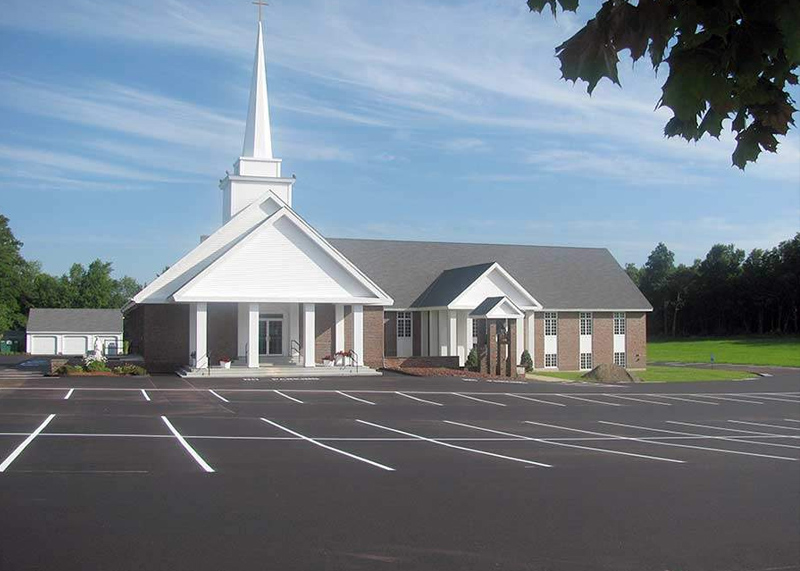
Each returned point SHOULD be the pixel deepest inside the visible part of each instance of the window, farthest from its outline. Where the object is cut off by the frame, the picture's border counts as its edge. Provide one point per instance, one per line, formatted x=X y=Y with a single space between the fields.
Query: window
x=586 y=361
x=551 y=360
x=404 y=324
x=551 y=324
x=475 y=328
x=586 y=323
x=619 y=359
x=619 y=324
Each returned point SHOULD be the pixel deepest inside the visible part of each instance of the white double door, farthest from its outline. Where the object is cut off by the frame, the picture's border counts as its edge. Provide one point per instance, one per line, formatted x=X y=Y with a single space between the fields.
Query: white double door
x=270 y=336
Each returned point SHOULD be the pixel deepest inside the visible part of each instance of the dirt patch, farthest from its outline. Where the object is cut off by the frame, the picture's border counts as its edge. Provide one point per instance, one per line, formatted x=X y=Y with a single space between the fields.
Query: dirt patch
x=610 y=374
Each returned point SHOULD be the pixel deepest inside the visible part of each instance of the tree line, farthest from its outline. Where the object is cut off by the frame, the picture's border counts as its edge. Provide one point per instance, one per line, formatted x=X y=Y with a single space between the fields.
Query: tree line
x=725 y=293
x=24 y=285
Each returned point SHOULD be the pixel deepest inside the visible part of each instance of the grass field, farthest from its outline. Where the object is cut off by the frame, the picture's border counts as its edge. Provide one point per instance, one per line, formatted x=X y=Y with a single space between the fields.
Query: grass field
x=655 y=374
x=778 y=351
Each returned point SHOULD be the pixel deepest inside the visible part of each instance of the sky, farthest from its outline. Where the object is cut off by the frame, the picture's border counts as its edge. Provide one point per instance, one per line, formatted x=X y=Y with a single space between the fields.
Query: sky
x=422 y=119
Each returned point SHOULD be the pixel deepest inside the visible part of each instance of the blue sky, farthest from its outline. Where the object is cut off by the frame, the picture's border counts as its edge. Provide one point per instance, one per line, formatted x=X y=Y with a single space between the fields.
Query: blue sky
x=435 y=120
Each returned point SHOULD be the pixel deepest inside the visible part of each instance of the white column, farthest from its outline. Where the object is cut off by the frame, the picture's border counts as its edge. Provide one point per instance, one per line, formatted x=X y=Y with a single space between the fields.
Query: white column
x=198 y=334
x=358 y=332
x=464 y=337
x=338 y=334
x=520 y=339
x=309 y=335
x=433 y=333
x=530 y=327
x=424 y=326
x=242 y=331
x=444 y=339
x=252 y=335
x=452 y=333
x=294 y=330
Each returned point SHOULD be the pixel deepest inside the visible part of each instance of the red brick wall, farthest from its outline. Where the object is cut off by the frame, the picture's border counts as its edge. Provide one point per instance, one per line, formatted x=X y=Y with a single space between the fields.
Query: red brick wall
x=390 y=333
x=373 y=337
x=416 y=326
x=348 y=328
x=636 y=340
x=222 y=331
x=323 y=330
x=422 y=362
x=160 y=334
x=538 y=328
x=603 y=339
x=568 y=341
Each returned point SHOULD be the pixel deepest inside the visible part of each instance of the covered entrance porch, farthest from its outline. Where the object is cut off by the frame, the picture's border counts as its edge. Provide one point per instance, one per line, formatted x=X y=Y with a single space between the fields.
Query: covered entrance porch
x=276 y=339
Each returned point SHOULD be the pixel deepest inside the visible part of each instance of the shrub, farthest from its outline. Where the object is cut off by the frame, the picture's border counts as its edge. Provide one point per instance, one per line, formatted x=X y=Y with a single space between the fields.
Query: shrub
x=472 y=363
x=69 y=370
x=129 y=369
x=526 y=361
x=96 y=367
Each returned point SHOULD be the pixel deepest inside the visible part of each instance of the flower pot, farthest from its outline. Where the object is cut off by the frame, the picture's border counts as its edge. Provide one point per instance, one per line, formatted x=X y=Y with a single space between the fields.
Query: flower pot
x=225 y=364
x=327 y=363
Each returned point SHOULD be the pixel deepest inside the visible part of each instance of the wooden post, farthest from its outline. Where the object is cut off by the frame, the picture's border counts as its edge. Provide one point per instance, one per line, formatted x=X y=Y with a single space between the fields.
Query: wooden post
x=493 y=353
x=513 y=355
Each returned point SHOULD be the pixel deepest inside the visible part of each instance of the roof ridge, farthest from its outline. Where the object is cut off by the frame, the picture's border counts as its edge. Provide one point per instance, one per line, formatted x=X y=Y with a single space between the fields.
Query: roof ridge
x=470 y=243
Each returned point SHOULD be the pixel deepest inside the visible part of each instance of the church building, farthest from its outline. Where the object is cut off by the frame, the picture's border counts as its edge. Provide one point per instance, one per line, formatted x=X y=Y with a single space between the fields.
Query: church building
x=266 y=294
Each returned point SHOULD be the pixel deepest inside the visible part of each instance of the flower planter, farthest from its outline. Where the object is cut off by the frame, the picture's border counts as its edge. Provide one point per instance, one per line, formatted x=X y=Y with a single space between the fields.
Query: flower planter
x=327 y=363
x=225 y=364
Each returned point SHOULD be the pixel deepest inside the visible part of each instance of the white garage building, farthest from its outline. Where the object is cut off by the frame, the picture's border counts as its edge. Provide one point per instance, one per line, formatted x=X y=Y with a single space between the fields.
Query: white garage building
x=73 y=331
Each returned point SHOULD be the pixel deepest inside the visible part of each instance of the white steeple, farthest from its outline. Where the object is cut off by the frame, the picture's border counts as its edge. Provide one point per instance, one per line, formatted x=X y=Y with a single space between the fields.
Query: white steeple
x=258 y=135
x=256 y=171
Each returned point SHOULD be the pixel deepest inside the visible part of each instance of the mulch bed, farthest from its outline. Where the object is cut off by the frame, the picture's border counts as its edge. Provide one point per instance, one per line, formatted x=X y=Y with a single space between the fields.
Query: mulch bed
x=443 y=372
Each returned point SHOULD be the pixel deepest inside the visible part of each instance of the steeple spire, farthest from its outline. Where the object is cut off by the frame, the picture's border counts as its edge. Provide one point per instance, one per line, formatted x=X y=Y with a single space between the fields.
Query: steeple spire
x=258 y=135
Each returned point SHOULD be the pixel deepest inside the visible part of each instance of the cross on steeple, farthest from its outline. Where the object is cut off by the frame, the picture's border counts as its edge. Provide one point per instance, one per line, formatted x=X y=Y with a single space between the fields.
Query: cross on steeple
x=260 y=3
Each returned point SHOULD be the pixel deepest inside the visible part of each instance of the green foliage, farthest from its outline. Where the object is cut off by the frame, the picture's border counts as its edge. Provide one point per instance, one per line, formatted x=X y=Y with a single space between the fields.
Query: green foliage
x=472 y=363
x=96 y=367
x=69 y=370
x=129 y=369
x=655 y=374
x=526 y=361
x=753 y=350
x=14 y=272
x=726 y=292
x=728 y=59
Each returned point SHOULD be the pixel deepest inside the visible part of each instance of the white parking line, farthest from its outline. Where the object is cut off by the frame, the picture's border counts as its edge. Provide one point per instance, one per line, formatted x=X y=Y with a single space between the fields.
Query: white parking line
x=638 y=400
x=590 y=400
x=288 y=397
x=326 y=447
x=700 y=447
x=354 y=398
x=479 y=400
x=223 y=399
x=748 y=432
x=707 y=396
x=535 y=400
x=418 y=399
x=776 y=399
x=462 y=448
x=145 y=395
x=688 y=400
x=18 y=450
x=545 y=441
x=762 y=424
x=791 y=420
x=69 y=394
x=203 y=464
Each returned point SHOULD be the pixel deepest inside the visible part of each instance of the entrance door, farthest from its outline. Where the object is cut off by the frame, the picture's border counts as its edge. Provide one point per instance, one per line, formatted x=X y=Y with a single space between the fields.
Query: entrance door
x=270 y=335
x=405 y=341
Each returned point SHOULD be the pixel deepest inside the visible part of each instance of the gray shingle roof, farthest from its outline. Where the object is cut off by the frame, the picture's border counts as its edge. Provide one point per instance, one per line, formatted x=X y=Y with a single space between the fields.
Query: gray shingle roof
x=485 y=306
x=75 y=320
x=449 y=285
x=558 y=277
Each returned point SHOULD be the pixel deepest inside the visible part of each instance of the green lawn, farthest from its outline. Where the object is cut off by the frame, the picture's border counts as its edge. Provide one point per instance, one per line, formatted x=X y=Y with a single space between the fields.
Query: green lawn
x=655 y=374
x=779 y=351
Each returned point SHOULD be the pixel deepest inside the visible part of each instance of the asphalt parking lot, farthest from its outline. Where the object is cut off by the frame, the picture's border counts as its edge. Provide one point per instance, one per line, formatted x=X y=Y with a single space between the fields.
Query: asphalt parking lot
x=398 y=473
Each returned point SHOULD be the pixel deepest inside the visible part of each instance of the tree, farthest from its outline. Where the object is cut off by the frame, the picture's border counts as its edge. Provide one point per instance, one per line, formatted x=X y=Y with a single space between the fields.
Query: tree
x=727 y=59
x=719 y=273
x=13 y=274
x=634 y=273
x=653 y=281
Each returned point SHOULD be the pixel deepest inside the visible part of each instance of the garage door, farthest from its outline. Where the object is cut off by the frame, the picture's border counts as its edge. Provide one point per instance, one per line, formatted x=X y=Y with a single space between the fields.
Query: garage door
x=75 y=345
x=43 y=345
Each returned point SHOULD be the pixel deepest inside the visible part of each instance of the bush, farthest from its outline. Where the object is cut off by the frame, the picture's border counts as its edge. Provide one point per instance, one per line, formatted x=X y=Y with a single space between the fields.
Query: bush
x=129 y=369
x=96 y=367
x=69 y=370
x=472 y=363
x=526 y=361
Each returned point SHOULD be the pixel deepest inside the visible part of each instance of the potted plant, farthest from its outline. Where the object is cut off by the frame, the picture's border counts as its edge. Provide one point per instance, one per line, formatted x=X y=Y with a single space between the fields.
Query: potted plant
x=225 y=362
x=327 y=361
x=341 y=358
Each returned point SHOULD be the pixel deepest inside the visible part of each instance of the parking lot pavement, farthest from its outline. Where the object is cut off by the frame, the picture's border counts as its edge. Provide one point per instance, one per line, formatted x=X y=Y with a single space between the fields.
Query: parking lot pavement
x=443 y=474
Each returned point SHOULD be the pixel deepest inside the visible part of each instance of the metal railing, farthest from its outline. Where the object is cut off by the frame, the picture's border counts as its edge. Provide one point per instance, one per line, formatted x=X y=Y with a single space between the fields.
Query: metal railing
x=295 y=347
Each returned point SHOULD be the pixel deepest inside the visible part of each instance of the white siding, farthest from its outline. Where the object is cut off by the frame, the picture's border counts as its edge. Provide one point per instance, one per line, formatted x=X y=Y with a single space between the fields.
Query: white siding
x=493 y=284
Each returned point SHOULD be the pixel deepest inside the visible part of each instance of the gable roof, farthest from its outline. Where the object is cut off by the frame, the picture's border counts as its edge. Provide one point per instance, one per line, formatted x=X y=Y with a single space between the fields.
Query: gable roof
x=449 y=285
x=560 y=278
x=497 y=307
x=74 y=320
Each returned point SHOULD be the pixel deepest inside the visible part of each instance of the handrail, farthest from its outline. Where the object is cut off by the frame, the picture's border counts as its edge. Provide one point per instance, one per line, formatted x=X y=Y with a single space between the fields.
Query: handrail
x=354 y=358
x=292 y=343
